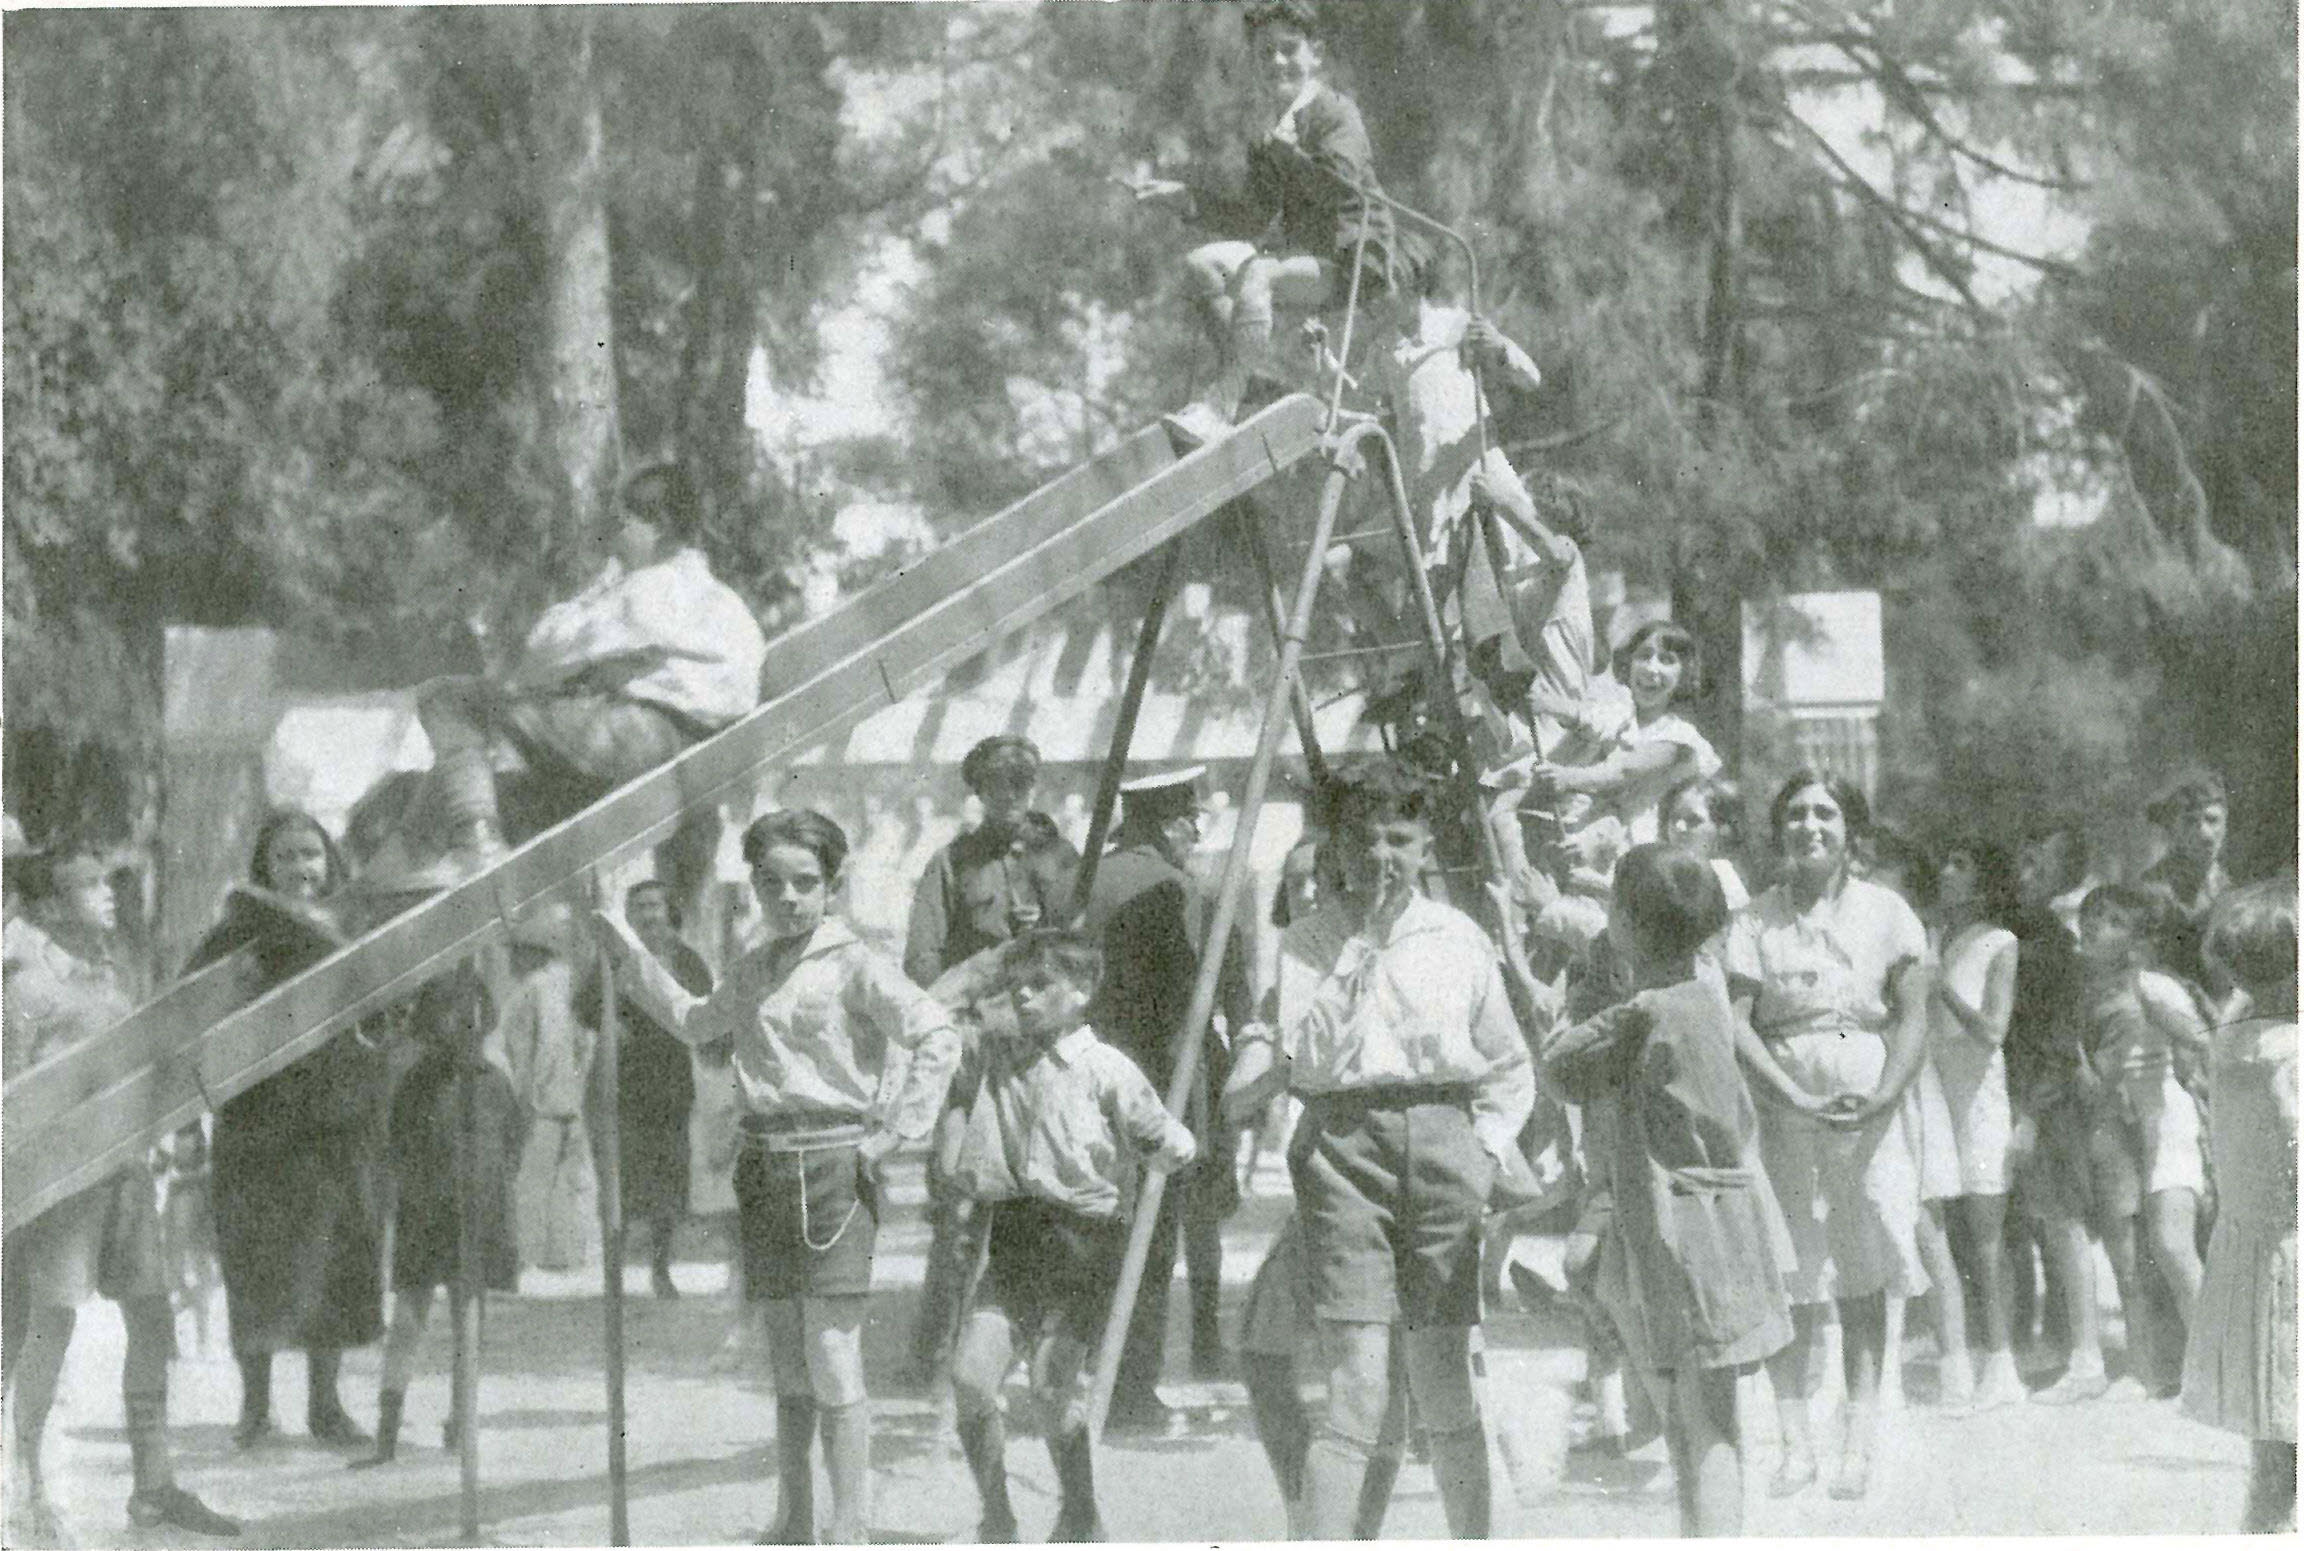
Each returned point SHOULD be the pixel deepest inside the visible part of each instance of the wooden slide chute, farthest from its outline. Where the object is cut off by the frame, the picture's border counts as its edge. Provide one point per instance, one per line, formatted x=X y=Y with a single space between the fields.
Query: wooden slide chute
x=74 y=1119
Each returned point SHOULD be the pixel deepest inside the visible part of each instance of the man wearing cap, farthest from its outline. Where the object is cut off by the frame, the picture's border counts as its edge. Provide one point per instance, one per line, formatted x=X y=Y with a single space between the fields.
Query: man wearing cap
x=1151 y=915
x=1010 y=873
x=62 y=985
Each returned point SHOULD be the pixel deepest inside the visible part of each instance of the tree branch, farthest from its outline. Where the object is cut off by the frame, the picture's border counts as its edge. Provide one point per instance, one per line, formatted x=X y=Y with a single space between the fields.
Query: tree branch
x=1898 y=86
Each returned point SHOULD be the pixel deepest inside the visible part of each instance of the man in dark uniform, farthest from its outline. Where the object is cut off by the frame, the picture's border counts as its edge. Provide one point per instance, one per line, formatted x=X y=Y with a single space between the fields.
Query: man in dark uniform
x=1010 y=873
x=1151 y=915
x=63 y=985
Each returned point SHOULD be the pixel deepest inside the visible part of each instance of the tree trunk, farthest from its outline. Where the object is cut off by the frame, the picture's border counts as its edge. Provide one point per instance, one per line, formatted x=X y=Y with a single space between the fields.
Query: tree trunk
x=581 y=382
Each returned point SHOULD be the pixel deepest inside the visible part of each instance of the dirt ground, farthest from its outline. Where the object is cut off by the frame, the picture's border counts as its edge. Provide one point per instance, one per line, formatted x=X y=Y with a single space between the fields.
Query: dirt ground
x=702 y=1458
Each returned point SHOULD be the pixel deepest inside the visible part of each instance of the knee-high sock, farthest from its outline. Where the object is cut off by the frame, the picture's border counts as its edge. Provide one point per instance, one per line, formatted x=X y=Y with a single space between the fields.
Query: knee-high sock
x=1282 y=1425
x=984 y=1439
x=847 y=1434
x=795 y=1469
x=322 y=1402
x=151 y=1328
x=255 y=1388
x=1460 y=1468
x=1074 y=1453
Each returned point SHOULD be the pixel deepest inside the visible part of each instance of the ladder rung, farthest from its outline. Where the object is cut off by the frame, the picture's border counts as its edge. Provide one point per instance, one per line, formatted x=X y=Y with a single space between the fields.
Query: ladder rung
x=1364 y=533
x=1363 y=651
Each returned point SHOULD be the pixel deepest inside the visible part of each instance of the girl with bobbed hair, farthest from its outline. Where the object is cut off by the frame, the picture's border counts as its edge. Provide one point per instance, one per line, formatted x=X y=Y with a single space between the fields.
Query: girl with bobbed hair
x=838 y=1059
x=1663 y=668
x=294 y=1157
x=1828 y=973
x=1969 y=1013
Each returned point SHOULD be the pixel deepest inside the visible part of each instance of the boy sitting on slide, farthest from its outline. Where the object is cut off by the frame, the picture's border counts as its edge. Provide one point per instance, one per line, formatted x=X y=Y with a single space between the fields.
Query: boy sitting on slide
x=1312 y=198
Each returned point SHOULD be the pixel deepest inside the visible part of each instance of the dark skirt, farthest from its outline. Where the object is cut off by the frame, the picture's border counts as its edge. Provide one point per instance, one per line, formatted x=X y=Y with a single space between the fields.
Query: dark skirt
x=807 y=1222
x=298 y=1237
x=426 y=1232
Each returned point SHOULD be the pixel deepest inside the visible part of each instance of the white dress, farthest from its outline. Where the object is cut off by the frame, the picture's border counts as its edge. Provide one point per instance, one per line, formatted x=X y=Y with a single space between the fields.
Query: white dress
x=1972 y=1075
x=2240 y=1364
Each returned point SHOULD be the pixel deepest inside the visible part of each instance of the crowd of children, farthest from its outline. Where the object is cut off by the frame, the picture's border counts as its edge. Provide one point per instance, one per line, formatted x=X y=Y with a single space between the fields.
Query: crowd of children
x=1892 y=1072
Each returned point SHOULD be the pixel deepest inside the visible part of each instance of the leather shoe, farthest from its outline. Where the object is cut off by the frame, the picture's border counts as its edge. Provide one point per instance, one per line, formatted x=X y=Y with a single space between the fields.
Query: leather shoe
x=173 y=1506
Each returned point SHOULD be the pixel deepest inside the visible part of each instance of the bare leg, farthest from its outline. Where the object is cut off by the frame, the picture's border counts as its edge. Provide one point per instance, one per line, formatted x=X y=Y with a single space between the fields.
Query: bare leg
x=2174 y=1217
x=2120 y=1249
x=1282 y=1424
x=1863 y=1338
x=796 y=1423
x=1795 y=1373
x=2072 y=1272
x=1956 y=1380
x=1707 y=1452
x=980 y=1363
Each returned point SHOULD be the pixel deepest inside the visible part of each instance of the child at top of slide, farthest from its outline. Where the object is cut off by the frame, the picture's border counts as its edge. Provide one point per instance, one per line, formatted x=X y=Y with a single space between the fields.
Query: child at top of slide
x=1312 y=202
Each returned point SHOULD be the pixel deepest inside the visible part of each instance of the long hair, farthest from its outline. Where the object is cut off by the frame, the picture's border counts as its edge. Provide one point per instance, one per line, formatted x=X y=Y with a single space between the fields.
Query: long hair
x=278 y=822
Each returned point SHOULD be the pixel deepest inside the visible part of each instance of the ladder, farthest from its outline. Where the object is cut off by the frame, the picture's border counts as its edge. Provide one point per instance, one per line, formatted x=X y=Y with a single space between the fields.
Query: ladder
x=1348 y=444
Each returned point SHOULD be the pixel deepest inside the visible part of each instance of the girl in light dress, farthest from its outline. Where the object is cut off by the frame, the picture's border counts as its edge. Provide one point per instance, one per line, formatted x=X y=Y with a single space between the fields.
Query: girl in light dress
x=2240 y=1366
x=1664 y=670
x=1969 y=1009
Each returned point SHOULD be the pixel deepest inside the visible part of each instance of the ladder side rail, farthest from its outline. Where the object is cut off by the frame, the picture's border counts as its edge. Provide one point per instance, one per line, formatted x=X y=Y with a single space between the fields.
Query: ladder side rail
x=297 y=1016
x=1124 y=727
x=1213 y=948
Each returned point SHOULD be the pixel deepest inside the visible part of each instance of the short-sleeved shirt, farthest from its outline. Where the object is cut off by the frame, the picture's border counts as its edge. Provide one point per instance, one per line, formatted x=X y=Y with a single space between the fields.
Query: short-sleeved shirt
x=1825 y=970
x=1635 y=802
x=981 y=890
x=842 y=1037
x=1048 y=1123
x=1425 y=1004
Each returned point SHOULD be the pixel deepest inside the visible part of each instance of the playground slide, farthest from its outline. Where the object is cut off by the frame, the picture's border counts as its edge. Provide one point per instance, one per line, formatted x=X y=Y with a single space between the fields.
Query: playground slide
x=69 y=1122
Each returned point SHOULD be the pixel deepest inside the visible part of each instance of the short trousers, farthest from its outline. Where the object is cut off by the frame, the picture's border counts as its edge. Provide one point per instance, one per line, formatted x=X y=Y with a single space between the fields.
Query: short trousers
x=1048 y=1266
x=1391 y=1189
x=1851 y=1198
x=1983 y=1121
x=103 y=1242
x=2056 y=1182
x=806 y=1222
x=1929 y=1134
x=2146 y=1141
x=1278 y=1319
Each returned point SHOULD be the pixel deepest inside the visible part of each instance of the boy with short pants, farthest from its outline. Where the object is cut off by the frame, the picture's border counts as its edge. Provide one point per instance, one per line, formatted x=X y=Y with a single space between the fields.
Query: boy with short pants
x=1048 y=1118
x=1397 y=1032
